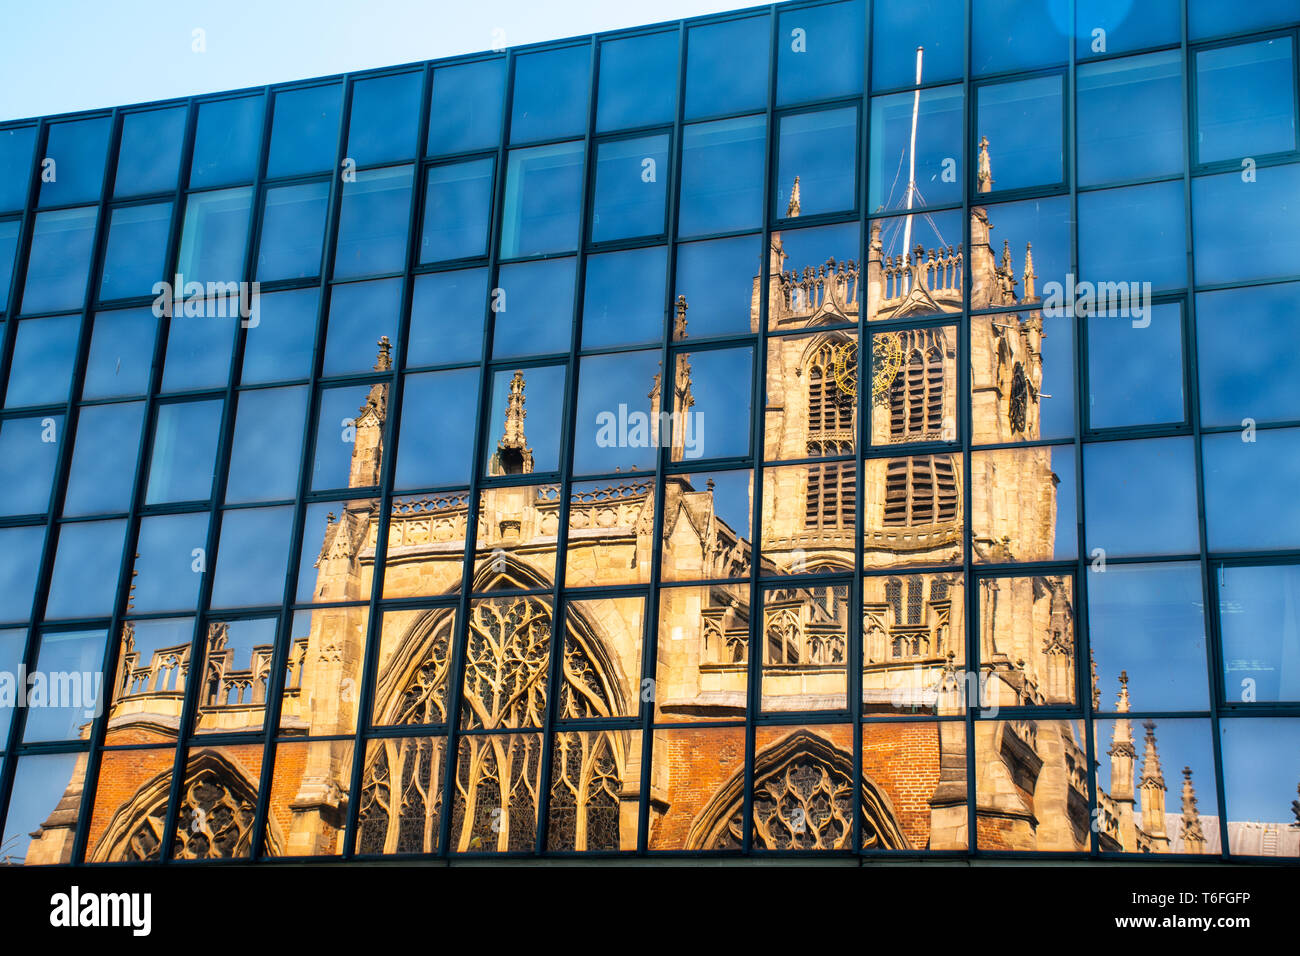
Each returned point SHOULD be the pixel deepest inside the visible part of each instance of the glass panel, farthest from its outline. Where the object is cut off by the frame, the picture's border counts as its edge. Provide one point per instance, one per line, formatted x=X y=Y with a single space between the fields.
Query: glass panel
x=623 y=299
x=898 y=29
x=1038 y=522
x=414 y=655
x=1245 y=100
x=1245 y=230
x=137 y=250
x=251 y=557
x=184 y=452
x=336 y=559
x=602 y=655
x=13 y=645
x=121 y=354
x=29 y=452
x=504 y=559
x=630 y=191
x=509 y=449
x=137 y=835
x=401 y=796
x=45 y=351
x=808 y=518
x=805 y=647
x=936 y=154
x=727 y=66
x=719 y=546
x=819 y=52
x=897 y=265
x=84 y=580
x=702 y=664
x=638 y=81
x=79 y=150
x=820 y=150
x=812 y=383
x=465 y=108
x=320 y=827
x=717 y=281
x=542 y=200
x=1130 y=118
x=363 y=316
x=929 y=813
x=8 y=248
x=704 y=770
x=149 y=156
x=170 y=562
x=457 y=211
x=814 y=277
x=59 y=261
x=1250 y=482
x=1018 y=34
x=1208 y=18
x=1140 y=497
x=1131 y=237
x=105 y=433
x=267 y=444
x=236 y=669
x=1135 y=369
x=550 y=98
x=447 y=315
x=606 y=521
x=910 y=650
x=436 y=446
x=214 y=236
x=384 y=118
x=1238 y=382
x=1022 y=377
x=426 y=545
x=722 y=176
x=913 y=372
x=218 y=804
x=532 y=308
x=16 y=164
x=595 y=791
x=803 y=793
x=279 y=346
x=717 y=385
x=506 y=661
x=199 y=346
x=1125 y=25
x=497 y=777
x=1032 y=777
x=43 y=809
x=373 y=223
x=1021 y=120
x=305 y=130
x=20 y=563
x=293 y=231
x=913 y=510
x=349 y=437
x=226 y=142
x=1260 y=767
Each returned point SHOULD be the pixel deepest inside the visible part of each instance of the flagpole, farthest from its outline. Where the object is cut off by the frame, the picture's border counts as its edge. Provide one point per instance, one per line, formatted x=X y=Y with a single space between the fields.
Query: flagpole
x=911 y=168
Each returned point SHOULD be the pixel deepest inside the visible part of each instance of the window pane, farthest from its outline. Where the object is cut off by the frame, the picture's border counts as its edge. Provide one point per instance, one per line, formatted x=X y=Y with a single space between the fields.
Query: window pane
x=226 y=142
x=722 y=176
x=1239 y=382
x=1131 y=118
x=1125 y=25
x=820 y=150
x=20 y=563
x=105 y=433
x=465 y=108
x=349 y=446
x=198 y=352
x=811 y=408
x=727 y=66
x=121 y=354
x=267 y=444
x=524 y=421
x=1133 y=236
x=447 y=314
x=1022 y=121
x=1259 y=616
x=29 y=451
x=623 y=303
x=616 y=426
x=1029 y=620
x=1140 y=497
x=717 y=280
x=1017 y=395
x=384 y=118
x=59 y=261
x=457 y=211
x=638 y=81
x=184 y=452
x=716 y=424
x=79 y=150
x=1135 y=370
x=44 y=353
x=373 y=223
x=1245 y=100
x=1260 y=767
x=170 y=562
x=293 y=231
x=1209 y=17
x=252 y=557
x=1246 y=230
x=938 y=154
x=1250 y=483
x=237 y=658
x=279 y=346
x=436 y=446
x=725 y=495
x=533 y=312
x=899 y=28
x=543 y=192
x=8 y=247
x=84 y=580
x=137 y=250
x=78 y=656
x=630 y=191
x=16 y=164
x=803 y=665
x=335 y=578
x=361 y=313
x=1018 y=34
x=214 y=236
x=42 y=784
x=305 y=130
x=550 y=98
x=810 y=279
x=819 y=52
x=149 y=156
x=12 y=644
x=1024 y=504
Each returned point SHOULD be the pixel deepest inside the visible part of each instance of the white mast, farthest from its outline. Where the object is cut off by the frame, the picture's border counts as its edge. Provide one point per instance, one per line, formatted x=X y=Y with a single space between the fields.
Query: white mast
x=911 y=168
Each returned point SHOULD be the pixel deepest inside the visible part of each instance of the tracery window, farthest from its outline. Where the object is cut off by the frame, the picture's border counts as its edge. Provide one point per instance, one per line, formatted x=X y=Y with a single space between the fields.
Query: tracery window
x=920 y=490
x=916 y=397
x=831 y=499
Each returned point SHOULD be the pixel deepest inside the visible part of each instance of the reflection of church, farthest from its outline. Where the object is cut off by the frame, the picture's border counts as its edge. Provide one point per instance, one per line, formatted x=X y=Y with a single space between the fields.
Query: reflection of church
x=1030 y=774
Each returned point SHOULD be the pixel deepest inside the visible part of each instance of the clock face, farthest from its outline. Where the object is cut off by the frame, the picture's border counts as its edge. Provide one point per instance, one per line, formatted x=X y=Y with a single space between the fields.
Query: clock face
x=845 y=366
x=886 y=360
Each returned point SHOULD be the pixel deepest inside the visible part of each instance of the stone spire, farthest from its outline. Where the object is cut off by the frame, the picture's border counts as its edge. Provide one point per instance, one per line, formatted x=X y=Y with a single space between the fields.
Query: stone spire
x=1152 y=786
x=513 y=456
x=1030 y=274
x=792 y=210
x=984 y=177
x=679 y=320
x=1122 y=752
x=368 y=441
x=1193 y=835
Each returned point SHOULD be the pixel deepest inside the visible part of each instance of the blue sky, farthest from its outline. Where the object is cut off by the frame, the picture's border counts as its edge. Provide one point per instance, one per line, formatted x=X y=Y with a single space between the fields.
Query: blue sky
x=132 y=51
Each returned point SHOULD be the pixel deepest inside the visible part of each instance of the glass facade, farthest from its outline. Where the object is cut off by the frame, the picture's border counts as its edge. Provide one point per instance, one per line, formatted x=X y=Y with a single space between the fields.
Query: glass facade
x=349 y=513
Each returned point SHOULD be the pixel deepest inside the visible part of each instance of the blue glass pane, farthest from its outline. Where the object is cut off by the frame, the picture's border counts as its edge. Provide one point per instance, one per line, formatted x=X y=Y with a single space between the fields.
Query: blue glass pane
x=184 y=452
x=1134 y=235
x=1038 y=227
x=727 y=66
x=533 y=312
x=59 y=261
x=45 y=351
x=1207 y=18
x=1250 y=484
x=40 y=782
x=279 y=346
x=1136 y=370
x=304 y=131
x=1245 y=100
x=1140 y=497
x=16 y=164
x=166 y=577
x=631 y=186
x=1022 y=121
x=717 y=280
x=137 y=250
x=1018 y=34
x=8 y=247
x=1130 y=118
x=384 y=119
x=267 y=446
x=337 y=437
x=359 y=314
x=373 y=223
x=1246 y=230
x=79 y=150
x=719 y=422
x=12 y=647
x=149 y=156
x=447 y=315
x=86 y=564
x=612 y=428
x=465 y=107
x=105 y=433
x=226 y=142
x=79 y=653
x=121 y=354
x=29 y=451
x=1259 y=616
x=819 y=52
x=543 y=399
x=820 y=150
x=1125 y=25
x=638 y=81
x=899 y=28
x=550 y=98
x=939 y=170
x=252 y=557
x=1246 y=369
x=214 y=236
x=20 y=563
x=436 y=444
x=293 y=231
x=623 y=301
x=543 y=196
x=722 y=176
x=457 y=211
x=198 y=352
